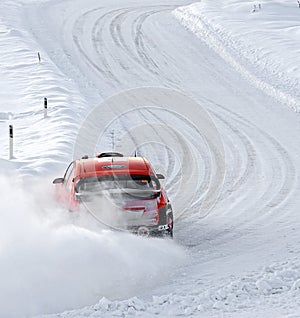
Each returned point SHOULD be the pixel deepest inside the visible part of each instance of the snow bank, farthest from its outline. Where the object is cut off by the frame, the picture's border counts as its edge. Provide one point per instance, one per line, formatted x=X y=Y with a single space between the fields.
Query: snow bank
x=262 y=45
x=41 y=145
x=278 y=281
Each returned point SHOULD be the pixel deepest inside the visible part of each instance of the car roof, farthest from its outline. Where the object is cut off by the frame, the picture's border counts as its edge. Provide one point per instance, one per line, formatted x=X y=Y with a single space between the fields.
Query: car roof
x=107 y=166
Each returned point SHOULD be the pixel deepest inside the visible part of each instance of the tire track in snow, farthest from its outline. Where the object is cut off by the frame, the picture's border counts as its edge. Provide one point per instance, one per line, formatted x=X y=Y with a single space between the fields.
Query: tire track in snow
x=280 y=189
x=237 y=176
x=78 y=28
x=114 y=20
x=139 y=38
x=280 y=176
x=113 y=24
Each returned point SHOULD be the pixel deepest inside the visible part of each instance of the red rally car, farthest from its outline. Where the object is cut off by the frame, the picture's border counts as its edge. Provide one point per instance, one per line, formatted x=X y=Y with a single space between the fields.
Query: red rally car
x=140 y=203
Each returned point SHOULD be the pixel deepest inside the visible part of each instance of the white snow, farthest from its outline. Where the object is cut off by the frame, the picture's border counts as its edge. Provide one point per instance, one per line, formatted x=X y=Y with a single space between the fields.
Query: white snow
x=242 y=67
x=261 y=45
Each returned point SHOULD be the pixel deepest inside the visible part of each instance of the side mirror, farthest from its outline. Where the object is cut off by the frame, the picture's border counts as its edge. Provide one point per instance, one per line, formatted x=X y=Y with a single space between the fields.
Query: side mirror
x=160 y=176
x=58 y=180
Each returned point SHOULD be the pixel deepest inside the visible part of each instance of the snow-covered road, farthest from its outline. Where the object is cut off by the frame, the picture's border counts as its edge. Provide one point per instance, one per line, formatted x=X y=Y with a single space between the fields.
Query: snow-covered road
x=242 y=260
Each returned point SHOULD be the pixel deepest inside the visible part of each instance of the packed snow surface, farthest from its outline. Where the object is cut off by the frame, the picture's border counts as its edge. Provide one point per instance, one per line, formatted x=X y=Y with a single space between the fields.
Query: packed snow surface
x=239 y=60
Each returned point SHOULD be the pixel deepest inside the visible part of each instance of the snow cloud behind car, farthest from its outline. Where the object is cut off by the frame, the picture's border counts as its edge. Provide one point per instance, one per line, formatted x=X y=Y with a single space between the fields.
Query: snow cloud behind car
x=49 y=264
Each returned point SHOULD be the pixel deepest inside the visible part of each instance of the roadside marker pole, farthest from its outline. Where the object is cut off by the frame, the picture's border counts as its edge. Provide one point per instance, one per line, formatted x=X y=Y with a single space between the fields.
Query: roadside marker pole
x=45 y=107
x=11 y=144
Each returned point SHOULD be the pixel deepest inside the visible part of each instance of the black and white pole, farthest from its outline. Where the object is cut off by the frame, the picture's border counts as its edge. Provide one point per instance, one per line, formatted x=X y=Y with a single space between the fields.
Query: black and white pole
x=11 y=142
x=45 y=107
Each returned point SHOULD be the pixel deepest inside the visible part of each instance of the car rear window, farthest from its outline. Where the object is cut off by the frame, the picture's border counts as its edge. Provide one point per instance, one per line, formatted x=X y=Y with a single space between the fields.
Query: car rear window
x=138 y=182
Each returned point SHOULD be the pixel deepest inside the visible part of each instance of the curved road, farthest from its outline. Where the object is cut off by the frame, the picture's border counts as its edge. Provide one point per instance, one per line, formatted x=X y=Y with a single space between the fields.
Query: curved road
x=116 y=46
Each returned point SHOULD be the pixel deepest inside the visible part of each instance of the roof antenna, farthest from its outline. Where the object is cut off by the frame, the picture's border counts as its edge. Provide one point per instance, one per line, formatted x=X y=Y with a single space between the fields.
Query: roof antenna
x=135 y=153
